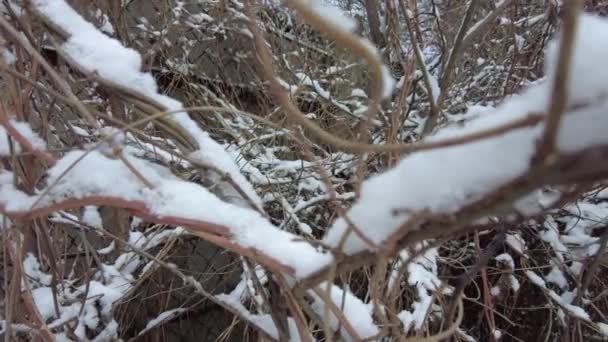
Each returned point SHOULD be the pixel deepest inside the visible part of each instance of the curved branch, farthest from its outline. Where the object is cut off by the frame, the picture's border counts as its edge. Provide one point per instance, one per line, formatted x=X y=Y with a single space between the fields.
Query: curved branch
x=25 y=144
x=217 y=234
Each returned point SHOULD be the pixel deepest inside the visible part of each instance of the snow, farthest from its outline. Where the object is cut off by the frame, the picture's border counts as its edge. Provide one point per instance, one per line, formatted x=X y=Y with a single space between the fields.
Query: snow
x=535 y=202
x=31 y=267
x=199 y=18
x=79 y=174
x=91 y=217
x=249 y=228
x=99 y=301
x=465 y=337
x=24 y=130
x=288 y=87
x=422 y=276
x=573 y=310
x=107 y=57
x=536 y=279
x=571 y=236
x=11 y=198
x=109 y=333
x=556 y=276
x=388 y=82
x=576 y=268
x=514 y=283
x=108 y=295
x=43 y=298
x=158 y=238
x=108 y=249
x=106 y=26
x=419 y=182
x=564 y=300
x=161 y=318
x=95 y=174
x=302 y=226
x=7 y=56
x=435 y=89
x=79 y=131
x=587 y=82
x=304 y=204
x=507 y=259
x=358 y=313
x=333 y=15
x=113 y=139
x=358 y=92
x=406 y=319
x=262 y=321
x=551 y=236
x=515 y=242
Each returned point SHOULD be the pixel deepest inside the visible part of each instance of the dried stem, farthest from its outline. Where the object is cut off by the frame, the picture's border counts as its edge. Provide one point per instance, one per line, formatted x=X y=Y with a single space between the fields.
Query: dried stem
x=559 y=97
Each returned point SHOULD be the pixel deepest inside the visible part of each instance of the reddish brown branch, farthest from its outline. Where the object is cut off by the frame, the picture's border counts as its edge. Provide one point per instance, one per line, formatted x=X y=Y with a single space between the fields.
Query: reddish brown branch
x=23 y=141
x=212 y=232
x=559 y=97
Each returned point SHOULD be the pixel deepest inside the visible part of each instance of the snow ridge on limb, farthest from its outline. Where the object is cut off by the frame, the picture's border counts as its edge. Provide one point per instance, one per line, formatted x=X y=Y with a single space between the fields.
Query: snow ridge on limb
x=108 y=58
x=99 y=178
x=445 y=180
x=148 y=190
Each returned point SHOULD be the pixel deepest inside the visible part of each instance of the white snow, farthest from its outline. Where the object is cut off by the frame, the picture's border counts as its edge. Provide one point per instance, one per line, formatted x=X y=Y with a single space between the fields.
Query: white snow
x=333 y=15
x=516 y=242
x=161 y=318
x=358 y=313
x=91 y=217
x=507 y=259
x=358 y=92
x=107 y=294
x=108 y=249
x=435 y=89
x=181 y=199
x=43 y=298
x=419 y=182
x=99 y=301
x=514 y=283
x=262 y=321
x=99 y=53
x=31 y=267
x=24 y=130
x=497 y=334
x=199 y=18
x=388 y=82
x=564 y=302
x=536 y=279
x=422 y=276
x=7 y=56
x=96 y=175
x=556 y=276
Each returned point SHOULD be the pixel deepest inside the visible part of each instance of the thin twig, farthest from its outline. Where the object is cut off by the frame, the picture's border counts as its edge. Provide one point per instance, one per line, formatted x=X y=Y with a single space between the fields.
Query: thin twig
x=450 y=65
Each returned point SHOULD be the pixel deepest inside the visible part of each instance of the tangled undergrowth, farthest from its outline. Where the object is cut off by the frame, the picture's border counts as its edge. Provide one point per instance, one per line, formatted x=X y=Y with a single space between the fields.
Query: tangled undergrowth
x=303 y=170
